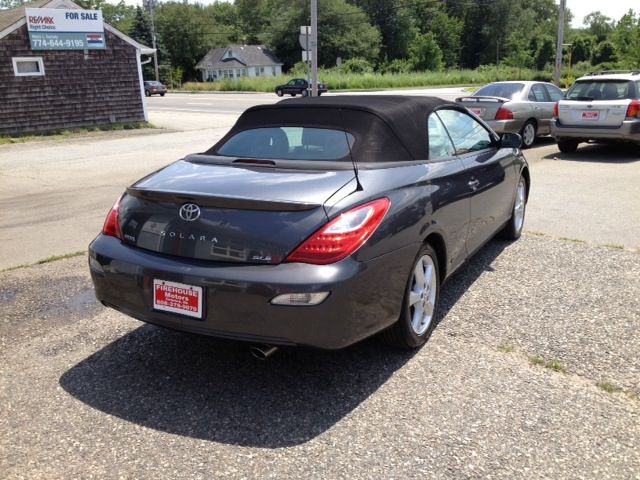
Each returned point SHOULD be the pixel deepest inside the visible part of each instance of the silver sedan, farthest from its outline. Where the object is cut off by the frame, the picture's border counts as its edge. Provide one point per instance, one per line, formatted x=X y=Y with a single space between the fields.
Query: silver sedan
x=522 y=107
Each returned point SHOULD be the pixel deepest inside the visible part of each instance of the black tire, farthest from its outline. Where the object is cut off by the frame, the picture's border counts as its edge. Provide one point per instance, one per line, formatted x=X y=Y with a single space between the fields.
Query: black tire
x=279 y=92
x=513 y=229
x=568 y=146
x=293 y=94
x=529 y=139
x=401 y=334
x=304 y=92
x=147 y=93
x=319 y=94
x=162 y=94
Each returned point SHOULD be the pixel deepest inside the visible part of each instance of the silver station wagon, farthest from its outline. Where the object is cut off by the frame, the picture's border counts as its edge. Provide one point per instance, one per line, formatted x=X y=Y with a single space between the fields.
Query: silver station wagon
x=600 y=107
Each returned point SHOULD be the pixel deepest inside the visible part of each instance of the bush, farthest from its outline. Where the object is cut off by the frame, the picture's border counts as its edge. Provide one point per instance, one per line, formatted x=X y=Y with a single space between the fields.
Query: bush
x=398 y=65
x=356 y=65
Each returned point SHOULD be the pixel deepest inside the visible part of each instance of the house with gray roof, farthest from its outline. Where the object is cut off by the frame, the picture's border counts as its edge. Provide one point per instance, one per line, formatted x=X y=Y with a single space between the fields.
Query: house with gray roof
x=236 y=61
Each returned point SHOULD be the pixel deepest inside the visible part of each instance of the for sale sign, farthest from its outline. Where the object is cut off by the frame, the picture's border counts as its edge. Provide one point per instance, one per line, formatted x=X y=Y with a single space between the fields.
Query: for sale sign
x=65 y=29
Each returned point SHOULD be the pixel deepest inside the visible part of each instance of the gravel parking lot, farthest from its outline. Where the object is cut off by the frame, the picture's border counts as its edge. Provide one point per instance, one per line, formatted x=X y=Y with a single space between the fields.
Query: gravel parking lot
x=533 y=371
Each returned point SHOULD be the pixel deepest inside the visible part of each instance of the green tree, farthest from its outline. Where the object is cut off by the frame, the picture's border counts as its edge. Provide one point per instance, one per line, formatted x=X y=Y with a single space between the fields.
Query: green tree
x=545 y=53
x=343 y=31
x=605 y=52
x=118 y=15
x=425 y=54
x=599 y=25
x=626 y=38
x=140 y=29
x=582 y=48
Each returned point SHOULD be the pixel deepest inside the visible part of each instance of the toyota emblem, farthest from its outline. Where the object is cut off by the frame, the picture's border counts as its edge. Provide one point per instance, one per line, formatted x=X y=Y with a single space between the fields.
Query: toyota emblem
x=189 y=212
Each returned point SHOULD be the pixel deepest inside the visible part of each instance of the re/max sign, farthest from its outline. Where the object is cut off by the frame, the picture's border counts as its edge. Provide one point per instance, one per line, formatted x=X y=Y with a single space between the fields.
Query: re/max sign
x=64 y=20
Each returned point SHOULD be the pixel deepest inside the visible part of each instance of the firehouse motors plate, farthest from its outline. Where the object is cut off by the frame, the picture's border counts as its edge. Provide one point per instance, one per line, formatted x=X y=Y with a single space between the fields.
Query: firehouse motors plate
x=177 y=298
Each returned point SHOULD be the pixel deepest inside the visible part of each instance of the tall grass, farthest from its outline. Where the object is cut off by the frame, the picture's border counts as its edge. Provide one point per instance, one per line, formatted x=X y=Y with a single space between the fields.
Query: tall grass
x=337 y=80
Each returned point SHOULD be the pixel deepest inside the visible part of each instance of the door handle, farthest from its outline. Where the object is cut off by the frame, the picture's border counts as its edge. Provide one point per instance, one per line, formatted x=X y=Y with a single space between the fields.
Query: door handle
x=474 y=184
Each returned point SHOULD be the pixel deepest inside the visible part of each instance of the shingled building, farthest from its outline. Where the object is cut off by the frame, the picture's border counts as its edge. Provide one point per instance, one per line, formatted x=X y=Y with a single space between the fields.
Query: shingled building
x=54 y=75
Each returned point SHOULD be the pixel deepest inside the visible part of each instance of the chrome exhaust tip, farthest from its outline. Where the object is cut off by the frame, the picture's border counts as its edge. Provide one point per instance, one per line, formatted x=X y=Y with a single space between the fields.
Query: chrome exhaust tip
x=262 y=352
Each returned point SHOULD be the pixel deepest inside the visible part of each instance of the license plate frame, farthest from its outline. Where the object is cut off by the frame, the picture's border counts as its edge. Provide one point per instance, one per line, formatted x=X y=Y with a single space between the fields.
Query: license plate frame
x=178 y=298
x=591 y=115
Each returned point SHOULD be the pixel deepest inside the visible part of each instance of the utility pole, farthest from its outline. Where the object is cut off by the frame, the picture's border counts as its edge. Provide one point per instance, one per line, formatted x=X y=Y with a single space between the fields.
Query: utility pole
x=153 y=40
x=558 y=68
x=314 y=48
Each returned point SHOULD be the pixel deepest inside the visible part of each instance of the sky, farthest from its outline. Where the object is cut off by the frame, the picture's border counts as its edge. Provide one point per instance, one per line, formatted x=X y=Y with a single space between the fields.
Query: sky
x=580 y=8
x=611 y=8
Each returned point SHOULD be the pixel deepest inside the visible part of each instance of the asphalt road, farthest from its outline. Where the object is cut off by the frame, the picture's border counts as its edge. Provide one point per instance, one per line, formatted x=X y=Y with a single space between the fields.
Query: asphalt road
x=533 y=371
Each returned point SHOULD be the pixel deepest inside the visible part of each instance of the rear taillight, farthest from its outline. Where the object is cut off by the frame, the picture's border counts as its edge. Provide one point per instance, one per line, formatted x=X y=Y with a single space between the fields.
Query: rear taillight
x=556 y=108
x=634 y=109
x=112 y=223
x=342 y=236
x=504 y=114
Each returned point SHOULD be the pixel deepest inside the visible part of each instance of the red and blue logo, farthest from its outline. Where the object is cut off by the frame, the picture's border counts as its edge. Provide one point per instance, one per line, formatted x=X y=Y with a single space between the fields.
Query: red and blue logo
x=95 y=39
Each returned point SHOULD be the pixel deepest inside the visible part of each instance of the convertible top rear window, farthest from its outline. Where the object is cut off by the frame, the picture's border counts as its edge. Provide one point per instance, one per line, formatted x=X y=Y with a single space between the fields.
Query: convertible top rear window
x=289 y=143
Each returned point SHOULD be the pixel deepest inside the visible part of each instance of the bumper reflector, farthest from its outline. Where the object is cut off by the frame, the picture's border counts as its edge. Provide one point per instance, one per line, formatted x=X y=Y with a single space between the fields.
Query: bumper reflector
x=300 y=299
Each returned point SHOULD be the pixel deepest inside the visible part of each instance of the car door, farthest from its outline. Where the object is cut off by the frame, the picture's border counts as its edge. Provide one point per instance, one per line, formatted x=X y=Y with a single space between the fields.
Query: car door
x=489 y=171
x=290 y=87
x=543 y=107
x=450 y=201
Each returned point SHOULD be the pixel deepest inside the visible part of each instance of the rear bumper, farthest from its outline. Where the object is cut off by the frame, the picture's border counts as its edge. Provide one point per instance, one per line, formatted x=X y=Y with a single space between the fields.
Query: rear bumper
x=628 y=131
x=365 y=297
x=505 y=126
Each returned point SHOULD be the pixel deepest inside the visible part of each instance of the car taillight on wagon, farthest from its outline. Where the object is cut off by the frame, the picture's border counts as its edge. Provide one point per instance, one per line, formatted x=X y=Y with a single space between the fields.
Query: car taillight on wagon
x=556 y=110
x=504 y=113
x=342 y=236
x=634 y=109
x=112 y=223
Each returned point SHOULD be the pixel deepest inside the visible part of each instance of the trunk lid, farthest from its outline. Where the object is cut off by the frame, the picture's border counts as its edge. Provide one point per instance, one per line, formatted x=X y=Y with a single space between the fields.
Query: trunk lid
x=595 y=113
x=242 y=213
x=483 y=106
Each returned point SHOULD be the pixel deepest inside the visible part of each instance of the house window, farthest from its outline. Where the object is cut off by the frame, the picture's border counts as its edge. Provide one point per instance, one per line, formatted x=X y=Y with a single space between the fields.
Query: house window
x=28 y=66
x=273 y=71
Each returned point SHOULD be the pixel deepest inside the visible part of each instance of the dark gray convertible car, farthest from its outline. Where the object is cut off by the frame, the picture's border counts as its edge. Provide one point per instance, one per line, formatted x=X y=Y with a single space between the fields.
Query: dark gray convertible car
x=313 y=222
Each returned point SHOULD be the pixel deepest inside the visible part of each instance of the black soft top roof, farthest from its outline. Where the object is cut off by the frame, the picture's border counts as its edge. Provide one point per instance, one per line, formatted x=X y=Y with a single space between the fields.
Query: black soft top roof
x=386 y=127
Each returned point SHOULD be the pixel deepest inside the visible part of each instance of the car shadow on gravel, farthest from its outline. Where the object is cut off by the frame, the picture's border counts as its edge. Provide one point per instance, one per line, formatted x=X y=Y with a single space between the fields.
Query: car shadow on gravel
x=600 y=153
x=212 y=389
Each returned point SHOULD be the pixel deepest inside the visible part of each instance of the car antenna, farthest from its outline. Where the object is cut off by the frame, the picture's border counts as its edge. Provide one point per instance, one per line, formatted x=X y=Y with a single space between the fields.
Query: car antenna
x=353 y=162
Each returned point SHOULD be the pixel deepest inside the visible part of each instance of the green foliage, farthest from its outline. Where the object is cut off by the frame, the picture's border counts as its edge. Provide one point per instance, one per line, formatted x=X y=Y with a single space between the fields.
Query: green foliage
x=118 y=15
x=626 y=39
x=357 y=65
x=545 y=53
x=398 y=65
x=140 y=29
x=582 y=48
x=603 y=53
x=425 y=54
x=599 y=25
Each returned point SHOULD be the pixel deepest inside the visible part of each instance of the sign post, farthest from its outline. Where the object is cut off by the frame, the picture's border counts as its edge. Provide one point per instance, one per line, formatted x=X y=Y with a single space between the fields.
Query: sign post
x=65 y=29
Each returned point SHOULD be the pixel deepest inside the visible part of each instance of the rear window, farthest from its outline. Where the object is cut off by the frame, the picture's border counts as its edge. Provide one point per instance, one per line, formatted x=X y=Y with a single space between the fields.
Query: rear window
x=601 y=90
x=289 y=143
x=504 y=90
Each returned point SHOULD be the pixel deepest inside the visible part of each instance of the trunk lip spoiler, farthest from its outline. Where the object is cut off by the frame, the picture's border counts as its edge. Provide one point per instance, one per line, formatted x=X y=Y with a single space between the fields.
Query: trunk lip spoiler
x=227 y=202
x=482 y=98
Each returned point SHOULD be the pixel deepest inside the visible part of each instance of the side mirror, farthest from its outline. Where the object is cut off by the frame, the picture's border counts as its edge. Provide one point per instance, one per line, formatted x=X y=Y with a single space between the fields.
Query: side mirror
x=510 y=140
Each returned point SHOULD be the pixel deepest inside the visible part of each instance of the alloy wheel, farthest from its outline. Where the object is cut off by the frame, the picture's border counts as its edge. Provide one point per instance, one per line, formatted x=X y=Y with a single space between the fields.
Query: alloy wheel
x=423 y=294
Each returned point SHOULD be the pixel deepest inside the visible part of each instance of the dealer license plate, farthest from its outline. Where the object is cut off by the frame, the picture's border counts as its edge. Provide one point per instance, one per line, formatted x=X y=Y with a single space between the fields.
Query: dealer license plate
x=589 y=115
x=177 y=298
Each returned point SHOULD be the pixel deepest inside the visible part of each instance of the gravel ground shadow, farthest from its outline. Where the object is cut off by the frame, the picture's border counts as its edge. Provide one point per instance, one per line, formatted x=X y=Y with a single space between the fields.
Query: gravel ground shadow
x=211 y=389
x=600 y=153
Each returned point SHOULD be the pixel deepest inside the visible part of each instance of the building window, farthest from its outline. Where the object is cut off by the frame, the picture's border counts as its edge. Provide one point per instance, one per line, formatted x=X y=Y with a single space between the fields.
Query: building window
x=273 y=71
x=28 y=66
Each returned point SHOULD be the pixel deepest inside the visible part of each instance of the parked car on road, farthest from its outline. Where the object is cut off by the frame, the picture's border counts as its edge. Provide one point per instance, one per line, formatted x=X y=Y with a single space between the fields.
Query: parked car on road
x=602 y=106
x=151 y=87
x=318 y=222
x=520 y=107
x=298 y=86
